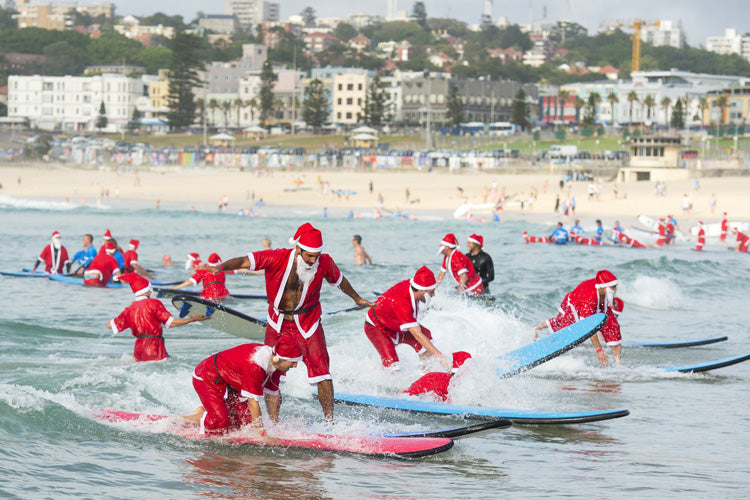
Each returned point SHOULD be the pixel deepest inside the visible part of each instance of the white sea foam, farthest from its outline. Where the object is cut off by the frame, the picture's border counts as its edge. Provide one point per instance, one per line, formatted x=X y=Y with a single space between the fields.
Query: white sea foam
x=652 y=293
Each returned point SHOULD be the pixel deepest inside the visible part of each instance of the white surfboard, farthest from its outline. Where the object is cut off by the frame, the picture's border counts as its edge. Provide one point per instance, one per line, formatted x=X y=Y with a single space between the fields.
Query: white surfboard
x=713 y=230
x=653 y=224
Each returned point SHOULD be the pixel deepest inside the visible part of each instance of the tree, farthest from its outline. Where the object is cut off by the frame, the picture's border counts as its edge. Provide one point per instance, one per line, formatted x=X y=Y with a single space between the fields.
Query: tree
x=632 y=99
x=265 y=93
x=678 y=114
x=101 y=119
x=226 y=108
x=592 y=104
x=375 y=110
x=344 y=31
x=666 y=102
x=186 y=62
x=134 y=121
x=315 y=105
x=62 y=58
x=252 y=104
x=238 y=103
x=579 y=104
x=702 y=106
x=419 y=13
x=650 y=102
x=562 y=98
x=723 y=104
x=455 y=106
x=213 y=105
x=308 y=15
x=519 y=110
x=612 y=99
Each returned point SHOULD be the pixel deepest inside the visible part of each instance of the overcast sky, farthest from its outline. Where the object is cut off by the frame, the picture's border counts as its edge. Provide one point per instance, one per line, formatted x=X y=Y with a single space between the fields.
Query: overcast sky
x=700 y=18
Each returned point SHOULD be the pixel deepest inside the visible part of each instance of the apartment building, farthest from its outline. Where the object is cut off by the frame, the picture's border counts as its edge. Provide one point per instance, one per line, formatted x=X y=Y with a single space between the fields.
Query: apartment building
x=251 y=13
x=665 y=33
x=51 y=16
x=730 y=43
x=348 y=97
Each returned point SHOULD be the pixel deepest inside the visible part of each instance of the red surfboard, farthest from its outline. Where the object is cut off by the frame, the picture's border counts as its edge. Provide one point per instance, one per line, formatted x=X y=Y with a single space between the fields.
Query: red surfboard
x=407 y=447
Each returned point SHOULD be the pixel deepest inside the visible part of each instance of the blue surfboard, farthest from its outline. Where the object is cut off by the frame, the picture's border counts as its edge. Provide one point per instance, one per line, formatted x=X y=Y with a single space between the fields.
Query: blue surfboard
x=411 y=404
x=549 y=347
x=77 y=280
x=680 y=343
x=709 y=365
x=25 y=274
x=459 y=432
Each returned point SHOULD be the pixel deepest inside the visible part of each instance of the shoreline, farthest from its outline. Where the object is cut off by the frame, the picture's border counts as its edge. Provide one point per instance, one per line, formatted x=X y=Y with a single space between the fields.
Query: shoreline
x=436 y=193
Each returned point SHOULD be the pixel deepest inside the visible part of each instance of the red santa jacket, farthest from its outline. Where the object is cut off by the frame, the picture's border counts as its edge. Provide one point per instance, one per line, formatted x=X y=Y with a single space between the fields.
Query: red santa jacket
x=53 y=261
x=457 y=264
x=744 y=241
x=100 y=270
x=436 y=382
x=396 y=310
x=213 y=284
x=277 y=265
x=131 y=257
x=145 y=317
x=581 y=302
x=247 y=368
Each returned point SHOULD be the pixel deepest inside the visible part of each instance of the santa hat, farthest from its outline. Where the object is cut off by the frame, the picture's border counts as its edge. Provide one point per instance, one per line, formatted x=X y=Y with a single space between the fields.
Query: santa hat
x=56 y=234
x=310 y=240
x=459 y=358
x=424 y=279
x=700 y=222
x=475 y=238
x=449 y=240
x=110 y=247
x=193 y=257
x=134 y=244
x=617 y=306
x=107 y=235
x=605 y=279
x=303 y=228
x=214 y=259
x=288 y=349
x=138 y=284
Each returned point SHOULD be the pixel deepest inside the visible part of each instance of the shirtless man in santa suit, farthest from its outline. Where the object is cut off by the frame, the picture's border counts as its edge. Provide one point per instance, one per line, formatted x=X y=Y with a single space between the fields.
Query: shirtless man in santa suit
x=54 y=256
x=145 y=317
x=459 y=267
x=393 y=319
x=293 y=281
x=589 y=297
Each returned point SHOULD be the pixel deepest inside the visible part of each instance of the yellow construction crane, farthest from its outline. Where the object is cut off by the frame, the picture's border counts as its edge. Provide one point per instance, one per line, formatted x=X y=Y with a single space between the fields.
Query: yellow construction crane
x=636 y=25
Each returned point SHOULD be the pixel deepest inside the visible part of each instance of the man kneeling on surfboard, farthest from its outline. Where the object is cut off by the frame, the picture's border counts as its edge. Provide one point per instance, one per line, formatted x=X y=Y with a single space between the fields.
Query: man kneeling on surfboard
x=589 y=297
x=145 y=317
x=231 y=384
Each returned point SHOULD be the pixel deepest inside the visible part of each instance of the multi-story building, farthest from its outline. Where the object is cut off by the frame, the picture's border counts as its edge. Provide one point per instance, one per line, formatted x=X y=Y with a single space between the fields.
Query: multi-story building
x=73 y=103
x=226 y=24
x=158 y=96
x=224 y=77
x=736 y=109
x=326 y=76
x=288 y=91
x=664 y=33
x=317 y=41
x=348 y=98
x=251 y=13
x=730 y=43
x=57 y=16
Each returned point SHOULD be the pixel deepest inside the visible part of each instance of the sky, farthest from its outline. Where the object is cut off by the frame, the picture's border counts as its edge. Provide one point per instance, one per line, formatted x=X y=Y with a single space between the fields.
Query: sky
x=700 y=18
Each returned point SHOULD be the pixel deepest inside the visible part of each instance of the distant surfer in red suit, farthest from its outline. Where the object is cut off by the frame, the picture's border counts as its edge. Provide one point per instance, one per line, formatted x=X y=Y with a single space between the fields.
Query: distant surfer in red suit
x=393 y=319
x=438 y=382
x=724 y=227
x=610 y=332
x=589 y=297
x=294 y=278
x=145 y=317
x=743 y=241
x=459 y=267
x=131 y=260
x=701 y=237
x=214 y=287
x=103 y=267
x=535 y=239
x=232 y=383
x=54 y=256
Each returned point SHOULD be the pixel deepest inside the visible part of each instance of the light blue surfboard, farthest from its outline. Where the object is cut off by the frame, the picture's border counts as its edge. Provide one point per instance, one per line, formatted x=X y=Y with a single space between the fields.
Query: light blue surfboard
x=676 y=344
x=77 y=280
x=25 y=274
x=709 y=365
x=410 y=403
x=549 y=347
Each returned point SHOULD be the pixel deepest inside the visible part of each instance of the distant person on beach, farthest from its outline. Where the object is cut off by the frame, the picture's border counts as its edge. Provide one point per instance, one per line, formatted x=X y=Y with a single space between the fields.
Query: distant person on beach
x=232 y=383
x=145 y=317
x=294 y=278
x=481 y=260
x=459 y=267
x=361 y=256
x=54 y=256
x=394 y=320
x=589 y=297
x=438 y=383
x=86 y=256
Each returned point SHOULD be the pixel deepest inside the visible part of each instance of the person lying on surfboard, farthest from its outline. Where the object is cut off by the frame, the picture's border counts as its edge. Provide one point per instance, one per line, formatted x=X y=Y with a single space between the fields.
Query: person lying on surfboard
x=438 y=382
x=145 y=317
x=232 y=383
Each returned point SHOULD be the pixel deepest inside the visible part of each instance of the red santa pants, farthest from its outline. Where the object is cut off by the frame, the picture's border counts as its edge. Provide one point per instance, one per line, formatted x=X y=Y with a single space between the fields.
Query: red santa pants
x=224 y=407
x=314 y=350
x=385 y=342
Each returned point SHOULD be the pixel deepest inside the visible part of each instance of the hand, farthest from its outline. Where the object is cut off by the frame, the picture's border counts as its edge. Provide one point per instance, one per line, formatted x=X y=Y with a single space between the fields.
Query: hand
x=205 y=267
x=445 y=362
x=602 y=356
x=364 y=302
x=202 y=317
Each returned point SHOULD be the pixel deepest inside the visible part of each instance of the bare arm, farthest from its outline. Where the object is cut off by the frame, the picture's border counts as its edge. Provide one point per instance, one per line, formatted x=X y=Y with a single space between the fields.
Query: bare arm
x=184 y=284
x=142 y=271
x=273 y=404
x=229 y=265
x=368 y=260
x=346 y=287
x=600 y=354
x=416 y=332
x=185 y=321
x=440 y=277
x=254 y=408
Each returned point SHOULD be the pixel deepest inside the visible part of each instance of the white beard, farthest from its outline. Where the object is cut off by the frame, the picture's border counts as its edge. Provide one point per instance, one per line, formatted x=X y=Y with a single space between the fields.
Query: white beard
x=56 y=243
x=188 y=264
x=609 y=297
x=306 y=273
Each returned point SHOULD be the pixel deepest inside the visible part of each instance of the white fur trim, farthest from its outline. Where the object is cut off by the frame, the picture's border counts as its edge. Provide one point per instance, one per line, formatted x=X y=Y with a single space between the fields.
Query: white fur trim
x=272 y=393
x=406 y=326
x=114 y=327
x=475 y=241
x=319 y=379
x=309 y=249
x=249 y=395
x=606 y=285
x=444 y=243
x=338 y=281
x=143 y=291
x=169 y=322
x=252 y=261
x=420 y=287
x=296 y=360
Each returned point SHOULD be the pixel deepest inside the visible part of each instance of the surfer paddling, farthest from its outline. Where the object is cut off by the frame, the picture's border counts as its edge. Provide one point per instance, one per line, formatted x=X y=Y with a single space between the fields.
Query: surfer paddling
x=392 y=320
x=589 y=297
x=294 y=278
x=103 y=267
x=214 y=287
x=232 y=383
x=54 y=256
x=459 y=267
x=145 y=317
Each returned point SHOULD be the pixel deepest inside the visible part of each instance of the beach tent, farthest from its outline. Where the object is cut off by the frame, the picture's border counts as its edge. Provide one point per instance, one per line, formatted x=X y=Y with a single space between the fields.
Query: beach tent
x=363 y=140
x=364 y=129
x=221 y=139
x=255 y=131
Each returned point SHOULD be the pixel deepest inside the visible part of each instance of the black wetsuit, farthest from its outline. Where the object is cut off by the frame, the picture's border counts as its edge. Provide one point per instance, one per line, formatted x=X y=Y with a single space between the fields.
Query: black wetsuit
x=484 y=267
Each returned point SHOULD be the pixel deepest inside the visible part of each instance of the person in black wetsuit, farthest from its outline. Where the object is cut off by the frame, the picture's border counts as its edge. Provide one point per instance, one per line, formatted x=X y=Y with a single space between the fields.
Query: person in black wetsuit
x=481 y=261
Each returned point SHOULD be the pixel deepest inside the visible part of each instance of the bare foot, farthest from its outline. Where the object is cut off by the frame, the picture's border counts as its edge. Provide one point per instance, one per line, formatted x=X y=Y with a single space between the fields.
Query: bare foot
x=195 y=417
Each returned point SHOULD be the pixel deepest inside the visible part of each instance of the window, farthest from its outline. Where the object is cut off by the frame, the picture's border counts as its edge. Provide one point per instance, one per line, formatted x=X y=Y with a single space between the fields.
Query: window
x=341 y=86
x=349 y=86
x=338 y=101
x=47 y=86
x=359 y=86
x=348 y=116
x=338 y=115
x=359 y=101
x=349 y=101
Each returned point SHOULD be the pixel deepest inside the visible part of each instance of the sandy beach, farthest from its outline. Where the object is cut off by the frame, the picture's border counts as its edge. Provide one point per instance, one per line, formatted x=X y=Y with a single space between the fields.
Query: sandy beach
x=438 y=192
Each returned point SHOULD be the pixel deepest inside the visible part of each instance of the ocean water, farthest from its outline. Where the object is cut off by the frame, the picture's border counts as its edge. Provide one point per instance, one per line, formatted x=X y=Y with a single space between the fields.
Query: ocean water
x=686 y=437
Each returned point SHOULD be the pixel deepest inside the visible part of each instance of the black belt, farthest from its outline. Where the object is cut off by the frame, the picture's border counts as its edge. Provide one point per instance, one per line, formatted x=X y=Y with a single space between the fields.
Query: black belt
x=213 y=283
x=148 y=336
x=298 y=311
x=216 y=367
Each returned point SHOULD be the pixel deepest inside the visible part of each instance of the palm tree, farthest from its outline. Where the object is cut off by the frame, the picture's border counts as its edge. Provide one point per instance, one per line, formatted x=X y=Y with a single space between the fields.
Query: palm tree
x=213 y=105
x=562 y=98
x=666 y=102
x=702 y=106
x=649 y=102
x=278 y=106
x=200 y=104
x=580 y=103
x=723 y=103
x=226 y=107
x=238 y=103
x=612 y=99
x=632 y=99
x=594 y=100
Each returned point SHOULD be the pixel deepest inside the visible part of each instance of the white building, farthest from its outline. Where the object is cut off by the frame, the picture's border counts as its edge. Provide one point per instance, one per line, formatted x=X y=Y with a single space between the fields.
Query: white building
x=730 y=43
x=348 y=98
x=251 y=13
x=665 y=33
x=288 y=92
x=72 y=103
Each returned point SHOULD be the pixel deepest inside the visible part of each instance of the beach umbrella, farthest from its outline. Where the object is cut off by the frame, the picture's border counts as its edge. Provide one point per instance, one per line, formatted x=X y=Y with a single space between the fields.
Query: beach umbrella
x=255 y=129
x=364 y=129
x=222 y=137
